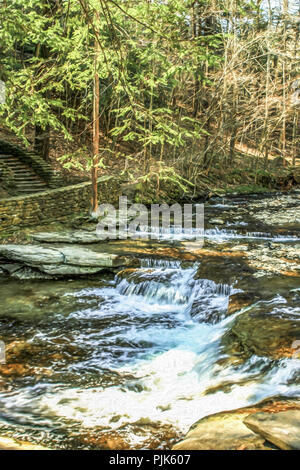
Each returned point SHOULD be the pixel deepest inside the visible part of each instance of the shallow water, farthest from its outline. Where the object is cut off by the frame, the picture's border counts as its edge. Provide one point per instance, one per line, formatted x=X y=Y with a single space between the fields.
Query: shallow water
x=133 y=361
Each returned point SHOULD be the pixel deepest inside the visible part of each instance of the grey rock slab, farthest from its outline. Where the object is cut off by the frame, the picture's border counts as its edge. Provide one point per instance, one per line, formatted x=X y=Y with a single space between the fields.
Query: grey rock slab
x=84 y=257
x=27 y=273
x=67 y=269
x=35 y=255
x=31 y=254
x=282 y=429
x=11 y=268
x=67 y=236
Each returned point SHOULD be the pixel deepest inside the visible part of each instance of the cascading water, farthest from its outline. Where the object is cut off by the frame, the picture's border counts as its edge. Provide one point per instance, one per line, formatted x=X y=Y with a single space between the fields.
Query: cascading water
x=146 y=350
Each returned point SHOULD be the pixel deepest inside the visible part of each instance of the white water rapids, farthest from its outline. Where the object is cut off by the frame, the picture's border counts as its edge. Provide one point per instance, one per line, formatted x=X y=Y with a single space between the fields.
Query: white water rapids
x=172 y=356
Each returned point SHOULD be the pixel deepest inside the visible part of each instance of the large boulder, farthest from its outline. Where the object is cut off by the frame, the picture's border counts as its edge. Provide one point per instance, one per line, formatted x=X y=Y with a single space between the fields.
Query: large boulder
x=282 y=429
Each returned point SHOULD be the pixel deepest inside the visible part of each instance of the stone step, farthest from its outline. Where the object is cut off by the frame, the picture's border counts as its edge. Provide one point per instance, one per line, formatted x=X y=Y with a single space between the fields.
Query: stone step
x=18 y=168
x=27 y=173
x=26 y=163
x=31 y=187
x=27 y=177
x=26 y=180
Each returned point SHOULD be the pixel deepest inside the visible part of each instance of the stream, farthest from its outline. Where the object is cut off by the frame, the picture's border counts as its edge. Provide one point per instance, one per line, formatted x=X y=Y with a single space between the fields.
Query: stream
x=133 y=360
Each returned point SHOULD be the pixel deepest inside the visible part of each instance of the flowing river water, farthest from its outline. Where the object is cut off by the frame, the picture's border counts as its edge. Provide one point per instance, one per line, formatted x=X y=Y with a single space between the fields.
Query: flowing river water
x=132 y=361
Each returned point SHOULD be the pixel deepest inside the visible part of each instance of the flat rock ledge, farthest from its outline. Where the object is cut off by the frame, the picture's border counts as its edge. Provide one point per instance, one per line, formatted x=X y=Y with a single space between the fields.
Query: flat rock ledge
x=269 y=425
x=67 y=236
x=40 y=262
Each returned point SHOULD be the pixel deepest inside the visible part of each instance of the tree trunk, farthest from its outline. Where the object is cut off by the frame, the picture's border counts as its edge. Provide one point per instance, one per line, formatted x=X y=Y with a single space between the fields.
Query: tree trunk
x=42 y=142
x=96 y=105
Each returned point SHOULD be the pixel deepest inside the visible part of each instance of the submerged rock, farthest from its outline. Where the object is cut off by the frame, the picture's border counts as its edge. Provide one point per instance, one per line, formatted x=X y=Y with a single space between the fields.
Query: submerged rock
x=282 y=429
x=67 y=236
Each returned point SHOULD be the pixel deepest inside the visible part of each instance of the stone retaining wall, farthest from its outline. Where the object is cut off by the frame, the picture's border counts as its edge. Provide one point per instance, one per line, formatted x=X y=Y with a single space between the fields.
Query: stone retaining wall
x=54 y=204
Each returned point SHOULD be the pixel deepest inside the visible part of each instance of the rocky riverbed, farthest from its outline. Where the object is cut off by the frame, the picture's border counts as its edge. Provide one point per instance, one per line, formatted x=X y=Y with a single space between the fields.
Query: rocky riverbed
x=129 y=343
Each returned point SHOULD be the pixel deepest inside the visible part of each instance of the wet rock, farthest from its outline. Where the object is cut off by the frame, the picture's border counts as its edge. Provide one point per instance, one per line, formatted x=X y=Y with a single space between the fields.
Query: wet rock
x=216 y=222
x=106 y=441
x=138 y=276
x=223 y=431
x=85 y=257
x=240 y=300
x=262 y=334
x=282 y=429
x=20 y=350
x=67 y=270
x=283 y=211
x=279 y=260
x=7 y=443
x=220 y=266
x=229 y=430
x=239 y=248
x=15 y=370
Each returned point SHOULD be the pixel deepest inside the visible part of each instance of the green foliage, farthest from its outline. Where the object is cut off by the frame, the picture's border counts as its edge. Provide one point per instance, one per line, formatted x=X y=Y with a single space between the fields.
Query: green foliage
x=47 y=58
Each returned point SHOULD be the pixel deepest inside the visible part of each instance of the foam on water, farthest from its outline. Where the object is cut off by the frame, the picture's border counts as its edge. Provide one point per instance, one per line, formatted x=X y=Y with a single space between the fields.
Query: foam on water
x=216 y=234
x=170 y=378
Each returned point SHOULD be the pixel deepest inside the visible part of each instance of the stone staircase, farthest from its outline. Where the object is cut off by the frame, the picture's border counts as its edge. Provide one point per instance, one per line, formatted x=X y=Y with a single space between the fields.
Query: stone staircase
x=25 y=179
x=26 y=172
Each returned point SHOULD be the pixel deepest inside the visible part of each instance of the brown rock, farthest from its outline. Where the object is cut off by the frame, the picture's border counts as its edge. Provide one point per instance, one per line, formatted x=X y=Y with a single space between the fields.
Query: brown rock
x=282 y=428
x=229 y=430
